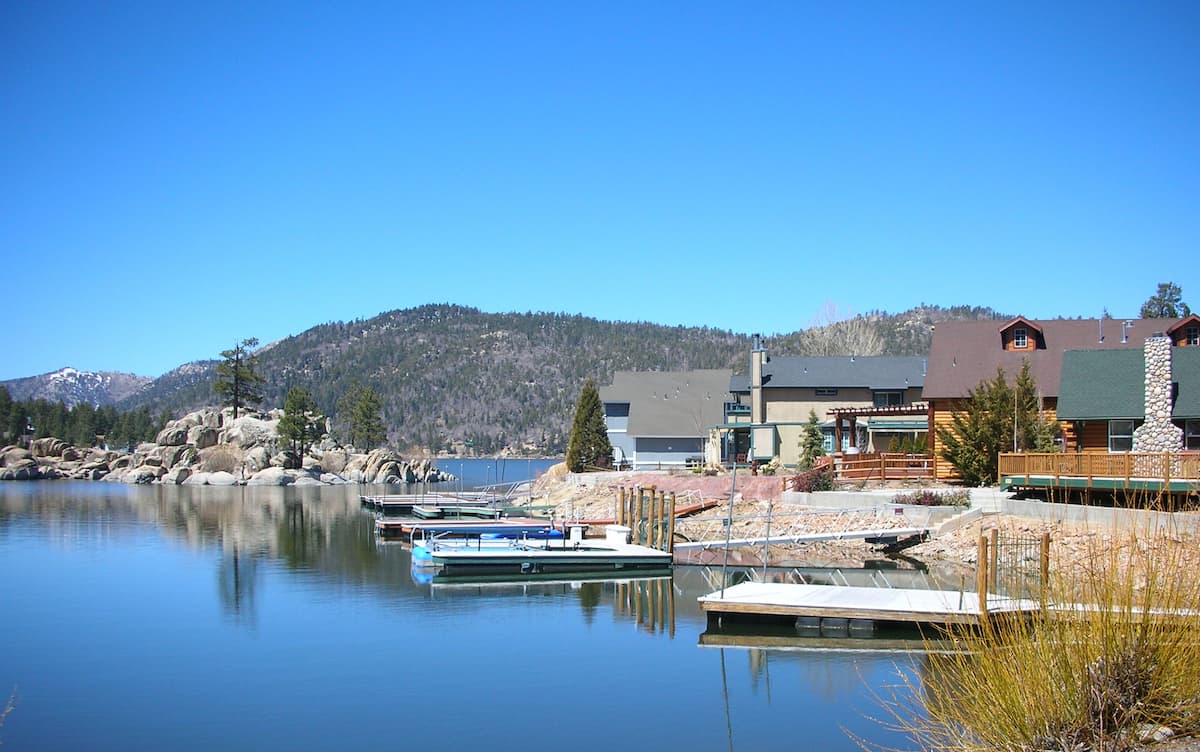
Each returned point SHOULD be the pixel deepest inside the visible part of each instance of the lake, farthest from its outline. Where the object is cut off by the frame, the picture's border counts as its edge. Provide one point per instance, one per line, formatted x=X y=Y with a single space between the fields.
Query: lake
x=199 y=618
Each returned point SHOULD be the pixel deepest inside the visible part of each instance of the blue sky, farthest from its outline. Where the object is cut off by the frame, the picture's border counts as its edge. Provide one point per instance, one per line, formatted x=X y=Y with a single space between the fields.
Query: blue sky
x=180 y=175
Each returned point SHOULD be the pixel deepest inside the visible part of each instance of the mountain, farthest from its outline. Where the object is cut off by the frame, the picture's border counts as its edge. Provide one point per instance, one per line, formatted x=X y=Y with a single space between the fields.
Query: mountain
x=73 y=387
x=455 y=378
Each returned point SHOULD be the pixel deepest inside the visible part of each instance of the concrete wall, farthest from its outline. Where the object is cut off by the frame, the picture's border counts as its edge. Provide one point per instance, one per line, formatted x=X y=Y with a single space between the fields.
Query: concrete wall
x=1121 y=519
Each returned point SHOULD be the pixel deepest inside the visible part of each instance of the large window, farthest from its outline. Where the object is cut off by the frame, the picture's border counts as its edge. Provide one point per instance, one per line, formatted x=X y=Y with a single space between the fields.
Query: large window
x=1191 y=434
x=1120 y=435
x=1191 y=335
x=1020 y=338
x=884 y=399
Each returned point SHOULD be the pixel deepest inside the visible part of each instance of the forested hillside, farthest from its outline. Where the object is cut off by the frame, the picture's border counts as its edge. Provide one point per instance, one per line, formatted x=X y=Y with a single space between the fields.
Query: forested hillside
x=454 y=378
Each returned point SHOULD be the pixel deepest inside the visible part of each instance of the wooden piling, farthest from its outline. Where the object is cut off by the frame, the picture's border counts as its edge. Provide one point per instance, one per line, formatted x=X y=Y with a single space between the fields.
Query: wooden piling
x=652 y=521
x=1045 y=563
x=671 y=527
x=638 y=515
x=620 y=513
x=981 y=581
x=994 y=560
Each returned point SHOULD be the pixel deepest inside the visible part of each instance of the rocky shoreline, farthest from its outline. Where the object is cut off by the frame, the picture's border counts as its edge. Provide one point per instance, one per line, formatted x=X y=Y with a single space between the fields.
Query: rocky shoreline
x=211 y=447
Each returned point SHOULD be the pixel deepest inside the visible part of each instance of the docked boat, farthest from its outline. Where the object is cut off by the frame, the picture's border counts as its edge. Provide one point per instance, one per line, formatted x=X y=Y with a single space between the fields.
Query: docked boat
x=526 y=556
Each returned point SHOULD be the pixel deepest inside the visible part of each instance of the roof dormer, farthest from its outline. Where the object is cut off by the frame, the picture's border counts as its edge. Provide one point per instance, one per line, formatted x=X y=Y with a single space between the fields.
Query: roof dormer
x=1021 y=334
x=1185 y=332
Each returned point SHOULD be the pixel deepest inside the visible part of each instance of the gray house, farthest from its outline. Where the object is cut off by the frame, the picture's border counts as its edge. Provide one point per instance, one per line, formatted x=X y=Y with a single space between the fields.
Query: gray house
x=661 y=419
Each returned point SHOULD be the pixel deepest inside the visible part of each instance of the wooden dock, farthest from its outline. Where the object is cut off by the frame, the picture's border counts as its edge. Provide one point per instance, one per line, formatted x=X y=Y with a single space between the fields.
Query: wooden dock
x=545 y=557
x=766 y=599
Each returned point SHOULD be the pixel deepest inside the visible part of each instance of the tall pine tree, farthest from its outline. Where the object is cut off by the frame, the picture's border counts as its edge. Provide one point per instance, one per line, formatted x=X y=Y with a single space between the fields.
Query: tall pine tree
x=301 y=424
x=589 y=447
x=238 y=382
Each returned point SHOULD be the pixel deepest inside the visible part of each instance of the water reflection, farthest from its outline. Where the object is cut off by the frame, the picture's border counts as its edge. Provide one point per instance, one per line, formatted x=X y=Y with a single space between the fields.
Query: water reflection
x=291 y=594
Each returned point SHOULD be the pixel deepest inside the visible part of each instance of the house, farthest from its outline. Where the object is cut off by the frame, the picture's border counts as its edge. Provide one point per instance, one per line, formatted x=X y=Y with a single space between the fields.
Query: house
x=1133 y=400
x=965 y=353
x=661 y=419
x=771 y=405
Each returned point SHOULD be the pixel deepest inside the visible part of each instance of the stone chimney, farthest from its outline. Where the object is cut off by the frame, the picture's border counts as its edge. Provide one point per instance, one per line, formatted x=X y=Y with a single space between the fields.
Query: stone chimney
x=1158 y=433
x=758 y=359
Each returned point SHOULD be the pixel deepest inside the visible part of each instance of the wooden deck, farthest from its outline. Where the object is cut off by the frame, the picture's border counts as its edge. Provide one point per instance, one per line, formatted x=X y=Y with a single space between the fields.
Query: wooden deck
x=766 y=599
x=1176 y=473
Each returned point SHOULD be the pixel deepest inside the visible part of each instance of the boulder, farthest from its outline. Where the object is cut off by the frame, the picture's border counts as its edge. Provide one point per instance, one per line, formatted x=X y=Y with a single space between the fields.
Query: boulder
x=14 y=454
x=173 y=435
x=271 y=476
x=188 y=457
x=334 y=460
x=48 y=447
x=221 y=478
x=333 y=479
x=24 y=469
x=170 y=455
x=202 y=437
x=145 y=474
x=286 y=459
x=71 y=454
x=196 y=479
x=247 y=432
x=305 y=480
x=176 y=476
x=257 y=459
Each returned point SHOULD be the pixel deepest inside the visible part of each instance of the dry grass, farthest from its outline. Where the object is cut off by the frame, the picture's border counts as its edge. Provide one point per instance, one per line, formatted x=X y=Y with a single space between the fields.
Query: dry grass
x=1096 y=678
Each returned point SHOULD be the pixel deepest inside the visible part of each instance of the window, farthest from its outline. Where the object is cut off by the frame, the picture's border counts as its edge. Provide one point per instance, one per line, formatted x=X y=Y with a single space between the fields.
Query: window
x=884 y=399
x=1020 y=338
x=825 y=392
x=1191 y=434
x=1120 y=435
x=1191 y=335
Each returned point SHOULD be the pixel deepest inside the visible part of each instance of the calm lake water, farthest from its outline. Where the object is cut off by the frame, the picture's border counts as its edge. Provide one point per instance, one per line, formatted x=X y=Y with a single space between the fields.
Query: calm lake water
x=181 y=618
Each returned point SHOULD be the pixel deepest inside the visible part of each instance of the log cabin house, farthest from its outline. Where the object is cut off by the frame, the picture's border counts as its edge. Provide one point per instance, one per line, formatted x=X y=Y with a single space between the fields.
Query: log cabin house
x=965 y=353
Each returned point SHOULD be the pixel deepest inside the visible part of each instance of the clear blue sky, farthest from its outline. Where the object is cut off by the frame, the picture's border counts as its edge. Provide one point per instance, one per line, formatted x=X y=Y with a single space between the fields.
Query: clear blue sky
x=179 y=175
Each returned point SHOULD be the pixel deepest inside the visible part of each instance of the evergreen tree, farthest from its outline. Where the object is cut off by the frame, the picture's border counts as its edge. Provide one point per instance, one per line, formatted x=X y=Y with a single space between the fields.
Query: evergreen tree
x=1167 y=303
x=812 y=443
x=362 y=409
x=995 y=417
x=589 y=447
x=238 y=383
x=301 y=424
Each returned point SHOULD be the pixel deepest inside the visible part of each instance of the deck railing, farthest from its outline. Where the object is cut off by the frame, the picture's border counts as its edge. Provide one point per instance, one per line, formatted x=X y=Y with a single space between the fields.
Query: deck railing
x=1164 y=466
x=883 y=466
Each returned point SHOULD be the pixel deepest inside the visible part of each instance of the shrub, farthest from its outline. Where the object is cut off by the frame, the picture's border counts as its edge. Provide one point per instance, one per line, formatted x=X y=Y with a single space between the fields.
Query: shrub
x=1093 y=676
x=818 y=479
x=959 y=497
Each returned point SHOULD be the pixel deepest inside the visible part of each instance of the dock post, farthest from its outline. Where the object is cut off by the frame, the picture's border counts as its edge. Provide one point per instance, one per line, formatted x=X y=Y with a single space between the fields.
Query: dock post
x=652 y=527
x=994 y=550
x=1045 y=565
x=671 y=527
x=981 y=578
x=620 y=513
x=637 y=517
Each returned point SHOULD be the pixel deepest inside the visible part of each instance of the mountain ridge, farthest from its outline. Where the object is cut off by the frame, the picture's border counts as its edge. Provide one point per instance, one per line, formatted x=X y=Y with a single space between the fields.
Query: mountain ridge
x=453 y=378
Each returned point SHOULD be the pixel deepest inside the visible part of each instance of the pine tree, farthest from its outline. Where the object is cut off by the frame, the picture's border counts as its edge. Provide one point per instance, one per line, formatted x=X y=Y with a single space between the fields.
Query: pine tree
x=1167 y=303
x=238 y=382
x=812 y=444
x=589 y=447
x=995 y=417
x=362 y=409
x=301 y=424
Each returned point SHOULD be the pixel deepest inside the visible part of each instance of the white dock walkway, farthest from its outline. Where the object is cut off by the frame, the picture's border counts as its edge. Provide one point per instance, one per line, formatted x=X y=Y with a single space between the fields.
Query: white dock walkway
x=886 y=532
x=881 y=604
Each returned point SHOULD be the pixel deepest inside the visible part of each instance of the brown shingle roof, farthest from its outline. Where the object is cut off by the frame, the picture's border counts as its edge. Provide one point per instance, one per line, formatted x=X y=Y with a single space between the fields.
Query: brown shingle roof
x=964 y=353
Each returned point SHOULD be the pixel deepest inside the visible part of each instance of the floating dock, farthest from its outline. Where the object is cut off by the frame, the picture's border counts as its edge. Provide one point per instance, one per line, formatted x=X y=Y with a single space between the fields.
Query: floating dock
x=912 y=606
x=404 y=503
x=511 y=527
x=526 y=558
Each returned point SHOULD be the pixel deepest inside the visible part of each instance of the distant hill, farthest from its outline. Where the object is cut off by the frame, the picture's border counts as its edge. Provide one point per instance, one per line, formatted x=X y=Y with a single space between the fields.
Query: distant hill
x=455 y=378
x=74 y=387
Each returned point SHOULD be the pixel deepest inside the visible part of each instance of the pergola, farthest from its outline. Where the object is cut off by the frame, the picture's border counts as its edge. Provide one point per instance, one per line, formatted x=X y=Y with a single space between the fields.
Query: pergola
x=852 y=414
